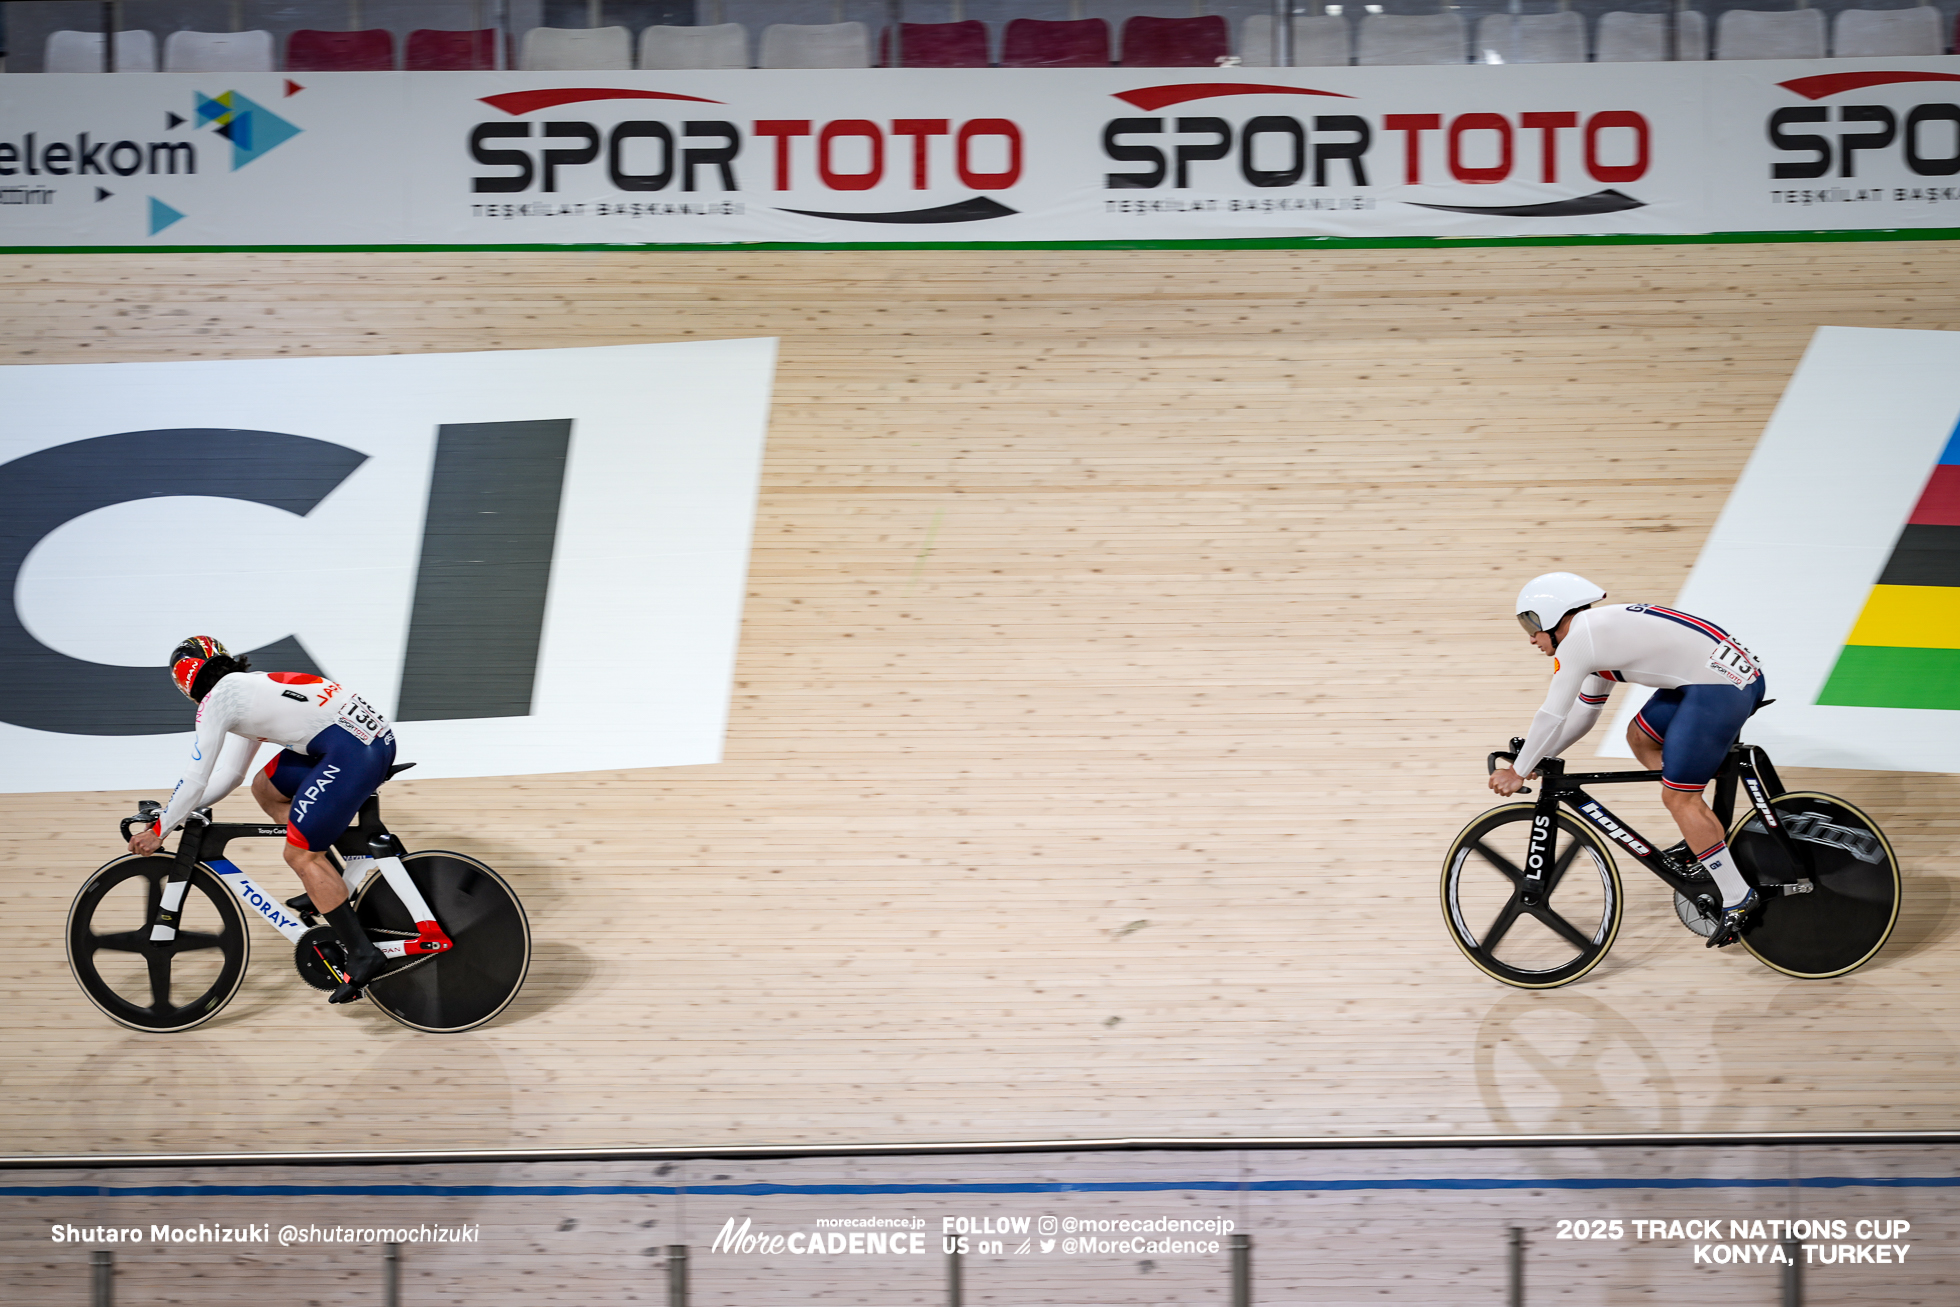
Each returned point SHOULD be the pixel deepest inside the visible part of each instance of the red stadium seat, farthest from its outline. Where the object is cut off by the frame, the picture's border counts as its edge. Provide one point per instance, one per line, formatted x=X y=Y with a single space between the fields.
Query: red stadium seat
x=1175 y=42
x=431 y=50
x=1033 y=43
x=372 y=51
x=937 y=45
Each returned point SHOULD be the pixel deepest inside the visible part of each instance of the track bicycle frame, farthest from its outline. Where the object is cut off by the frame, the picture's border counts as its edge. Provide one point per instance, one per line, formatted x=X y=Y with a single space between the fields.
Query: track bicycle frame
x=1746 y=766
x=204 y=841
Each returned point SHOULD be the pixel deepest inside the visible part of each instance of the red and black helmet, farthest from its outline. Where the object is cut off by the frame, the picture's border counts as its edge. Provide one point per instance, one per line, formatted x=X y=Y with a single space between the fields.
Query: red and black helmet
x=188 y=659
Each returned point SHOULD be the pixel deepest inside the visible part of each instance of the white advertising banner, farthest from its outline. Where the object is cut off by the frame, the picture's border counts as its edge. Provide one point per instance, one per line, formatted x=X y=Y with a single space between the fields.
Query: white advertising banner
x=531 y=560
x=975 y=155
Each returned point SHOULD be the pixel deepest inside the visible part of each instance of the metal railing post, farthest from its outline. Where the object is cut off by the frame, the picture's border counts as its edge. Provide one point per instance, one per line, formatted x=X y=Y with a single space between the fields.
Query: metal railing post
x=895 y=27
x=1793 y=1274
x=677 y=1275
x=102 y=1278
x=1241 y=1249
x=955 y=1287
x=1517 y=1266
x=1283 y=33
x=391 y=1275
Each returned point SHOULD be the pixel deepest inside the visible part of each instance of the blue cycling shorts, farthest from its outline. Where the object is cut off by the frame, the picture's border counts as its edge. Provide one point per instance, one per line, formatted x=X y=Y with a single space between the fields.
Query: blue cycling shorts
x=329 y=783
x=1695 y=726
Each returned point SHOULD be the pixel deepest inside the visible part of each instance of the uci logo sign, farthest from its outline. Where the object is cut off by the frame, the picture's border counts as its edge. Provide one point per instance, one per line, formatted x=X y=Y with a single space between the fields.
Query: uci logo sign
x=531 y=560
x=480 y=590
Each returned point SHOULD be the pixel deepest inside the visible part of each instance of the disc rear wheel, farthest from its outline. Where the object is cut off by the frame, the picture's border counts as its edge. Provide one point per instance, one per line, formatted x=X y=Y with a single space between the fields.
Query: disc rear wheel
x=1538 y=944
x=156 y=985
x=472 y=982
x=1846 y=882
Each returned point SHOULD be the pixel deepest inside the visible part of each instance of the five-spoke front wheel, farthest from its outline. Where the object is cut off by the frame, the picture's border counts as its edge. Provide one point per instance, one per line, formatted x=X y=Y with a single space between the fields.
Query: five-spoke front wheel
x=1531 y=941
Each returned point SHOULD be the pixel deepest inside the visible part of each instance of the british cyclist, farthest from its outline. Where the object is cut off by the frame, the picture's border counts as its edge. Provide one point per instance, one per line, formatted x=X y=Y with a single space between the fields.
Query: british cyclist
x=1706 y=686
x=336 y=752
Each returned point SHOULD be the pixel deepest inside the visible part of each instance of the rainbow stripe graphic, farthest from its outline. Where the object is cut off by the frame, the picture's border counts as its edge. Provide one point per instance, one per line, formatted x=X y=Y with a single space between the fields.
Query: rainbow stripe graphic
x=1905 y=650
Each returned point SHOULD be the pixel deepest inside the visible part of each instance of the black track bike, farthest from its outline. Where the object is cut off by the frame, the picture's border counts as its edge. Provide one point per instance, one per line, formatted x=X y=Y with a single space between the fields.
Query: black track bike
x=160 y=943
x=1533 y=898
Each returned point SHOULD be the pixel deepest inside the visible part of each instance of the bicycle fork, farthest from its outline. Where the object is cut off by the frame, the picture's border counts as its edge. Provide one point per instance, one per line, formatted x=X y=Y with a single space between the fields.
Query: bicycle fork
x=1538 y=855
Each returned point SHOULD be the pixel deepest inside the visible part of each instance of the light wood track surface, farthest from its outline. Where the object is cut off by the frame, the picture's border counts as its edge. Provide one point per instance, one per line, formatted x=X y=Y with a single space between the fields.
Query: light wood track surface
x=1126 y=633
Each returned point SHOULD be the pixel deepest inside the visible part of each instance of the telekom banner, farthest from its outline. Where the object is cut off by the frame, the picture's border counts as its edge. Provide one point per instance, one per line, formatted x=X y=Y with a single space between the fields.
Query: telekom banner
x=361 y=159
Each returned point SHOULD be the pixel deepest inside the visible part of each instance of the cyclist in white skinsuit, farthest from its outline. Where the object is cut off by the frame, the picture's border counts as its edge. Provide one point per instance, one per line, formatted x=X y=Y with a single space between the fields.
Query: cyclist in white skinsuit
x=1706 y=686
x=336 y=752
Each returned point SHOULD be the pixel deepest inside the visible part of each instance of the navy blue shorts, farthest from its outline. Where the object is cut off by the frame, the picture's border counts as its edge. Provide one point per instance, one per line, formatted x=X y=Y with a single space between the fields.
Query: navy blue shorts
x=1695 y=727
x=329 y=783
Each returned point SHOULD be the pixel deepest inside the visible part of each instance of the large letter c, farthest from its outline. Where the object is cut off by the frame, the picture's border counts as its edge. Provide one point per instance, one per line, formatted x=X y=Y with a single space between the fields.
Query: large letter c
x=45 y=690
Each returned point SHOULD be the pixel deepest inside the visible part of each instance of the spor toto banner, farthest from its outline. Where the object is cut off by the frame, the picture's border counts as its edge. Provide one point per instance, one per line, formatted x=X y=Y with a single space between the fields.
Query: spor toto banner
x=241 y=159
x=531 y=560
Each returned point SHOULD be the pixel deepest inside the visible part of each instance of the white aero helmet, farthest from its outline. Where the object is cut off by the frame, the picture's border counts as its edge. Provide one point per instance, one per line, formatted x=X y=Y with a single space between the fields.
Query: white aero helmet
x=1545 y=600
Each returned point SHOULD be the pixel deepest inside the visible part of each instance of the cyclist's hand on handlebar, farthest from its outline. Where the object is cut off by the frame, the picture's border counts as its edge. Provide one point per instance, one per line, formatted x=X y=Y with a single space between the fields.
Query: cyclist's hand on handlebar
x=1505 y=782
x=145 y=842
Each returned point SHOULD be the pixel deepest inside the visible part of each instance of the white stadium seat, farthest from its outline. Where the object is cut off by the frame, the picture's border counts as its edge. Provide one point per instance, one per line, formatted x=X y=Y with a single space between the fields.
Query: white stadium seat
x=720 y=45
x=1628 y=38
x=576 y=49
x=1411 y=39
x=815 y=45
x=1886 y=32
x=218 y=52
x=81 y=52
x=1558 y=38
x=1770 y=34
x=1321 y=42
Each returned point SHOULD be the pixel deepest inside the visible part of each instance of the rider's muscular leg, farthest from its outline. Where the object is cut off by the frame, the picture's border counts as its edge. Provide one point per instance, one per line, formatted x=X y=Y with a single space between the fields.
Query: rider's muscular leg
x=1698 y=823
x=321 y=878
x=329 y=894
x=277 y=806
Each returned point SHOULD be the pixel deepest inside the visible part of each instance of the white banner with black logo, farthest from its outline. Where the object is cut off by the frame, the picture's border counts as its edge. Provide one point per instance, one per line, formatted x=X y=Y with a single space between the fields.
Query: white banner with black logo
x=531 y=560
x=896 y=155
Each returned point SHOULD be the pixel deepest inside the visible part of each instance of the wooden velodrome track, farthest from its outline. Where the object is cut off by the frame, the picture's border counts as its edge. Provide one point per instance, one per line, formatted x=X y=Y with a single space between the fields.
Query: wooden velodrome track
x=1126 y=633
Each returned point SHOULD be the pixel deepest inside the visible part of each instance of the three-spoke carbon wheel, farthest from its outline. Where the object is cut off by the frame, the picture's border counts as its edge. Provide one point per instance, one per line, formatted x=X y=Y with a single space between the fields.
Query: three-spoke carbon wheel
x=161 y=986
x=1533 y=945
x=1848 y=912
x=471 y=983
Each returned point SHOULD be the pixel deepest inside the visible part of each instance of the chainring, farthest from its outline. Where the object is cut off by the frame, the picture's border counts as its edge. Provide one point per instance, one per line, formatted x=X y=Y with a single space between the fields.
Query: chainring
x=1701 y=914
x=320 y=958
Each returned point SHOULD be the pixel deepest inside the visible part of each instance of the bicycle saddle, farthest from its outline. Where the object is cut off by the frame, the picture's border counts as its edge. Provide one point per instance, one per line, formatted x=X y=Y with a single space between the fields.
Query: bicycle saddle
x=397 y=768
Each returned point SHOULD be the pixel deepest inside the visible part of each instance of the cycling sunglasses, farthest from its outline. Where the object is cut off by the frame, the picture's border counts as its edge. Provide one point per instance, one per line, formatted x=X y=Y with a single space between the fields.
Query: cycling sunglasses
x=1529 y=621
